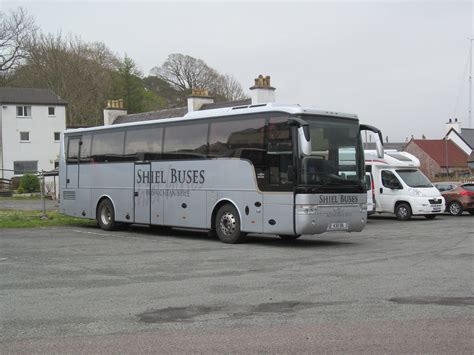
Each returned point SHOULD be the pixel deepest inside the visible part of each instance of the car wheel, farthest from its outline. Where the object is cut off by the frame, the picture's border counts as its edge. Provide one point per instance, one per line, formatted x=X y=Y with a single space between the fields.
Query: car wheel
x=471 y=212
x=430 y=216
x=455 y=208
x=106 y=215
x=227 y=225
x=403 y=212
x=289 y=237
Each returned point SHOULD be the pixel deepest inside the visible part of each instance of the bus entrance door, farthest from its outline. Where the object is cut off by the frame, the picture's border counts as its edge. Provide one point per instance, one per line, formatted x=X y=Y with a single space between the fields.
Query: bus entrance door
x=142 y=193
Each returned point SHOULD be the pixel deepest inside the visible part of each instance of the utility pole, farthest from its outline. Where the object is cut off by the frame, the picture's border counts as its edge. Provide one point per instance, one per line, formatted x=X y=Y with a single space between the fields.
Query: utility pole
x=470 y=82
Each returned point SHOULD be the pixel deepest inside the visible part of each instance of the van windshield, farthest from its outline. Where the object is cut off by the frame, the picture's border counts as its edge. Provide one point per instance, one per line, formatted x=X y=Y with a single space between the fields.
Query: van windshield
x=414 y=178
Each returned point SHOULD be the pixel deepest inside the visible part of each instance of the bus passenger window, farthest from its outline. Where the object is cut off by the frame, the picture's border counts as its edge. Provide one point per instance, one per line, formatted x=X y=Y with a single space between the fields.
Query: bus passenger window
x=108 y=146
x=185 y=142
x=143 y=144
x=239 y=138
x=85 y=151
x=73 y=150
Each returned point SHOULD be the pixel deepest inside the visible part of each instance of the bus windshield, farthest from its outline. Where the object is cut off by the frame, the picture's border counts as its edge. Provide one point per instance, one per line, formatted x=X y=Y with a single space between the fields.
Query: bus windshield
x=336 y=156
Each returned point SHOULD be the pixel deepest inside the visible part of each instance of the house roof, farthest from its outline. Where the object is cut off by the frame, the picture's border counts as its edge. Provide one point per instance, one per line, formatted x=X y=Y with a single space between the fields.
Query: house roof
x=444 y=152
x=467 y=134
x=30 y=96
x=176 y=112
x=153 y=115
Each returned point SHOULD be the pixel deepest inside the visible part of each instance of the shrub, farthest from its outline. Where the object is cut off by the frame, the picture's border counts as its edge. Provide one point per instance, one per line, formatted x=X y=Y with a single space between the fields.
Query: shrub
x=29 y=183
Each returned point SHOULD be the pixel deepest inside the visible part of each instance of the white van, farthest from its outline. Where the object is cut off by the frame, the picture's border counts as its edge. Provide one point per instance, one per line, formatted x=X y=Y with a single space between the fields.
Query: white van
x=370 y=194
x=400 y=187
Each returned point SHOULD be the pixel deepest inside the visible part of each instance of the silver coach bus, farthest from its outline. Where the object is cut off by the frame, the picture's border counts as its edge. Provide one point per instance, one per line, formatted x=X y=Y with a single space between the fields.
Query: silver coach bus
x=250 y=169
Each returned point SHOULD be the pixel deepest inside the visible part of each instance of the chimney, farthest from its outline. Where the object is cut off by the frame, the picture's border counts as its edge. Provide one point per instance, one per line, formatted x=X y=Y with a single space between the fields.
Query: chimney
x=262 y=92
x=198 y=98
x=454 y=124
x=113 y=110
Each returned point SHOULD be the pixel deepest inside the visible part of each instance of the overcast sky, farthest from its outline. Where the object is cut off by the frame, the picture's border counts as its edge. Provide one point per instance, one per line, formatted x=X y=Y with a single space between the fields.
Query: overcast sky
x=401 y=66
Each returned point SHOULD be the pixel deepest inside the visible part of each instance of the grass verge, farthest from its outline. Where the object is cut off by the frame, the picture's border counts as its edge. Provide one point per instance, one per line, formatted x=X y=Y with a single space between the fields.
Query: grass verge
x=31 y=219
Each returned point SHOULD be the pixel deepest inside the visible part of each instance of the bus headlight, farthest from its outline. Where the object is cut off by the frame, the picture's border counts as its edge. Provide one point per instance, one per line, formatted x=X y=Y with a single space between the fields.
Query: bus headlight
x=363 y=206
x=306 y=209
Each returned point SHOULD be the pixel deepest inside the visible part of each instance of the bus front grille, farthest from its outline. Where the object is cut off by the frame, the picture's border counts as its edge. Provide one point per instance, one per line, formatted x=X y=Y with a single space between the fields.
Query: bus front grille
x=69 y=195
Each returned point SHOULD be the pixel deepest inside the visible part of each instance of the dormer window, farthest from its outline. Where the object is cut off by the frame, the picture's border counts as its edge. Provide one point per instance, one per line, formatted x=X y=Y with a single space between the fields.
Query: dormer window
x=23 y=111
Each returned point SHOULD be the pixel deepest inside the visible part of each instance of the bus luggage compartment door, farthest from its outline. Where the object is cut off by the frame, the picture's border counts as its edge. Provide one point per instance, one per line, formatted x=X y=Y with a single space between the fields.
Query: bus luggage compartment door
x=141 y=193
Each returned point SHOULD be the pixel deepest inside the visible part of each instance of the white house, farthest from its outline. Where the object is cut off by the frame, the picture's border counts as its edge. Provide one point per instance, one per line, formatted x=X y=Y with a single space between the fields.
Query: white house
x=31 y=123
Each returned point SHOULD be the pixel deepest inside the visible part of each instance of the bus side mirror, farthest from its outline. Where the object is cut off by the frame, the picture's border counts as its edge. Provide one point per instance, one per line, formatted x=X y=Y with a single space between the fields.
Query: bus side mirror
x=378 y=138
x=304 y=141
x=304 y=137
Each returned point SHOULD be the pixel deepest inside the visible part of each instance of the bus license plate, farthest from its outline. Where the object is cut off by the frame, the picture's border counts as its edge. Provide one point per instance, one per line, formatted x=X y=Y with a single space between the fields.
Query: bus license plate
x=337 y=226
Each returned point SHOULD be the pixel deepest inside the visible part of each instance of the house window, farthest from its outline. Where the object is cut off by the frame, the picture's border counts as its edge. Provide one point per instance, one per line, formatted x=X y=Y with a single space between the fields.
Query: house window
x=51 y=111
x=23 y=111
x=24 y=136
x=23 y=167
x=57 y=136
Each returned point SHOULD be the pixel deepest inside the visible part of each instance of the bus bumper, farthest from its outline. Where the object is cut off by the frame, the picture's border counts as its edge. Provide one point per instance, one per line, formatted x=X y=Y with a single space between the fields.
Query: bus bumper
x=312 y=218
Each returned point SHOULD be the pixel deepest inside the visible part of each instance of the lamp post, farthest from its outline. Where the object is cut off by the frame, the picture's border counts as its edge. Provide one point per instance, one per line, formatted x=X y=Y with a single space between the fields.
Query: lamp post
x=446 y=154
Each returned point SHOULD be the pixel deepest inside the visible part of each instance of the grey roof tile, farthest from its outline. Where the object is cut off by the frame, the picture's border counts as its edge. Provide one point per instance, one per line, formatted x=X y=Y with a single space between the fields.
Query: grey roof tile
x=468 y=135
x=31 y=96
x=153 y=115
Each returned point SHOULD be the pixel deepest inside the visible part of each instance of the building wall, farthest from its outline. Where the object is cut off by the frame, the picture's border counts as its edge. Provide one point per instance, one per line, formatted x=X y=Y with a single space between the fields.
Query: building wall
x=41 y=146
x=428 y=166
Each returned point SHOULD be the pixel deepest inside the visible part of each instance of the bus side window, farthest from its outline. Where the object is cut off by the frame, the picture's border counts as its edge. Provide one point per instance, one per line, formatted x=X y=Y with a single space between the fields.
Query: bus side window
x=73 y=150
x=108 y=146
x=238 y=139
x=143 y=144
x=85 y=151
x=185 y=142
x=280 y=151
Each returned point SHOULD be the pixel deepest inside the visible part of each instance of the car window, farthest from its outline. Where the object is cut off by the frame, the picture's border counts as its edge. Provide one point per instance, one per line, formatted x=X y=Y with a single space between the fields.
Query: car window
x=389 y=180
x=469 y=187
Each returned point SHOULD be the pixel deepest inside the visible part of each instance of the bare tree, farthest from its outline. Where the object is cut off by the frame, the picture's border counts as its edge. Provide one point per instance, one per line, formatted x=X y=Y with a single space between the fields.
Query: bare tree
x=229 y=88
x=184 y=72
x=16 y=29
x=81 y=73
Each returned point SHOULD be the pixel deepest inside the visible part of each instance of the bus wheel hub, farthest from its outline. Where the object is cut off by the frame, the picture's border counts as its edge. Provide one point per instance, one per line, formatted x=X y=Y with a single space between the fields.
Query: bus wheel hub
x=227 y=223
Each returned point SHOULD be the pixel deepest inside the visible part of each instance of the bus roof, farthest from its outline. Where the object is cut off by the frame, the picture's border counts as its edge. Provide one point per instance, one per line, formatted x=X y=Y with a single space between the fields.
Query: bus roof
x=225 y=112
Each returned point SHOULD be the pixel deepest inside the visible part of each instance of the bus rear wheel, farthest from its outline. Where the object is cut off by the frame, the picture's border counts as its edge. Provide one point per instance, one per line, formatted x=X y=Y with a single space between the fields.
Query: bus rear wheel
x=106 y=215
x=227 y=225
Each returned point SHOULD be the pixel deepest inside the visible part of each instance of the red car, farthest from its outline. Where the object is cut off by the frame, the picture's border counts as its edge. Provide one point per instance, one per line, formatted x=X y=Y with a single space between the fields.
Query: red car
x=459 y=197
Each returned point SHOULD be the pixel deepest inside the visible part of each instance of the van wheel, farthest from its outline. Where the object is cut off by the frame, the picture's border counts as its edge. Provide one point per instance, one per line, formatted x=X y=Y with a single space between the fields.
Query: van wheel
x=455 y=208
x=403 y=212
x=106 y=215
x=228 y=225
x=289 y=237
x=430 y=216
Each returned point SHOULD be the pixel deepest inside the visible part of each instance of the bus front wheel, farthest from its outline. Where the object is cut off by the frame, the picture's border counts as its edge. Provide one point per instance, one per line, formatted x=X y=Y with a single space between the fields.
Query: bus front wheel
x=227 y=225
x=106 y=215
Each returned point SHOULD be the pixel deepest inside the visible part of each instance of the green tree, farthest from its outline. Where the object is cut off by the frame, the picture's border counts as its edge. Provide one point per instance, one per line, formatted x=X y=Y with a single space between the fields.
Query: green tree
x=29 y=183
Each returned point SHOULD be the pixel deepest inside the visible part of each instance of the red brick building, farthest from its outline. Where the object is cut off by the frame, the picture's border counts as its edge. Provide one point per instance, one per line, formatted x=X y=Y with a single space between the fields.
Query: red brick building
x=439 y=157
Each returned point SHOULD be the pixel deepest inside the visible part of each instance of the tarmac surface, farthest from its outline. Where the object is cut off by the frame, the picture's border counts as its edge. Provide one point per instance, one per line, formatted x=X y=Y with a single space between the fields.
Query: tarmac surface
x=397 y=287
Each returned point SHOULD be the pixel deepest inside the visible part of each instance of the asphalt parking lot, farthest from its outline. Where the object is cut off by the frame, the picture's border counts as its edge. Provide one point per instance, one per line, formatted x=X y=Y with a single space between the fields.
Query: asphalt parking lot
x=397 y=287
